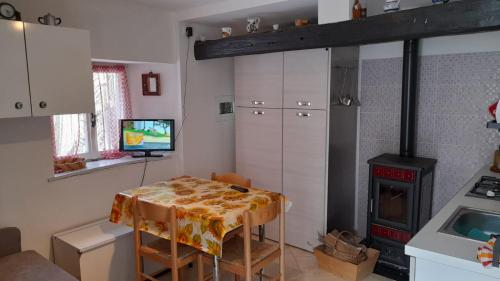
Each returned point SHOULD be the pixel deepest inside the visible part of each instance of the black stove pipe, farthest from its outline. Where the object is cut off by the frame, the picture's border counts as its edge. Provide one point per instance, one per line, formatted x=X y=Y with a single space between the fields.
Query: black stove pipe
x=409 y=99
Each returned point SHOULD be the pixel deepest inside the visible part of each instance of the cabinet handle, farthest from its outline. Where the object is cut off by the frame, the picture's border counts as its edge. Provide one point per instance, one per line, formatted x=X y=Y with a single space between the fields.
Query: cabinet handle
x=303 y=114
x=42 y=104
x=258 y=113
x=304 y=103
x=257 y=102
x=19 y=105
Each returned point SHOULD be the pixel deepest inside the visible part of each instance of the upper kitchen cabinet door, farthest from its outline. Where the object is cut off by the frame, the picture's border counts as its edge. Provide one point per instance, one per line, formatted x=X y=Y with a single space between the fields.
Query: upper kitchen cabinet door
x=259 y=80
x=60 y=70
x=304 y=175
x=14 y=87
x=306 y=76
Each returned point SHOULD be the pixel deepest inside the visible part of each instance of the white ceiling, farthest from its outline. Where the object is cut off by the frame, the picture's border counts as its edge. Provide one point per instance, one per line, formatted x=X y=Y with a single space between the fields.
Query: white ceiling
x=178 y=5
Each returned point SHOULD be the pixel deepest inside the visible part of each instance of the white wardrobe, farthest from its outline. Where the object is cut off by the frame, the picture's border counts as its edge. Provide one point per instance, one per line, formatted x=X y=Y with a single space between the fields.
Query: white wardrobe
x=282 y=102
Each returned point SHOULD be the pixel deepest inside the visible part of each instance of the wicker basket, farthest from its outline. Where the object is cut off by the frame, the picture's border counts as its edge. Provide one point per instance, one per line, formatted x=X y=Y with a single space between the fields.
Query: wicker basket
x=68 y=164
x=343 y=245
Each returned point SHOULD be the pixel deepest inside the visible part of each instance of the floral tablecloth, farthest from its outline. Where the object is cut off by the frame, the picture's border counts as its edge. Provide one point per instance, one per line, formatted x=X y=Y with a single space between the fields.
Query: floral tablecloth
x=206 y=210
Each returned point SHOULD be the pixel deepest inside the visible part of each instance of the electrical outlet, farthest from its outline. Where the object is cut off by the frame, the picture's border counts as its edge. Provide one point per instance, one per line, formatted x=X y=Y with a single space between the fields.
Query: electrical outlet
x=189 y=31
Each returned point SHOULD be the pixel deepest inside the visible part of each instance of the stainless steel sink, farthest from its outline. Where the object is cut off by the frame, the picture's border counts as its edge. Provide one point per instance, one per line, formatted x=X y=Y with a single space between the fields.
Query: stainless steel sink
x=472 y=224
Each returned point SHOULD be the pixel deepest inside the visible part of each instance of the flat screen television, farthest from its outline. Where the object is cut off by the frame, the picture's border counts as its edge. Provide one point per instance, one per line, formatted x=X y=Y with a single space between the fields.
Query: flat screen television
x=147 y=135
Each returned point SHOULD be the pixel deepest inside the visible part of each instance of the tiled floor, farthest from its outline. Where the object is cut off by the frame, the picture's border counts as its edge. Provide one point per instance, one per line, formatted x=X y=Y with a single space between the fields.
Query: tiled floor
x=300 y=266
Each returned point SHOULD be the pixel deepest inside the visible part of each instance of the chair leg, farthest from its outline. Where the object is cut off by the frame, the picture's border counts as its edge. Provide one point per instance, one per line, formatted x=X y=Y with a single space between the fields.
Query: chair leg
x=201 y=274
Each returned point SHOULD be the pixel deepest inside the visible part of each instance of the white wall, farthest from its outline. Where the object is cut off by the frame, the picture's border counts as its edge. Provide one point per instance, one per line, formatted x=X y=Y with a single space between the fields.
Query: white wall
x=40 y=208
x=119 y=30
x=334 y=11
x=208 y=142
x=470 y=43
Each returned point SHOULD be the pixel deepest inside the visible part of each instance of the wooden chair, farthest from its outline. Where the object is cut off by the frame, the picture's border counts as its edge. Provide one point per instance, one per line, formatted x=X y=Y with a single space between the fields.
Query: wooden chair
x=246 y=257
x=167 y=252
x=233 y=179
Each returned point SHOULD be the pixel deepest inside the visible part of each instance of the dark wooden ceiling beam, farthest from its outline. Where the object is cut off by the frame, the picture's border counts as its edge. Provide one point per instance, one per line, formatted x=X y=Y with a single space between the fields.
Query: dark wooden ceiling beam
x=467 y=16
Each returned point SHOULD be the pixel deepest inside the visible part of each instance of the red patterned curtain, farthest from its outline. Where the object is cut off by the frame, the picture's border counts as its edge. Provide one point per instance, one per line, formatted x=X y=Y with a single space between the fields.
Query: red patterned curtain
x=112 y=101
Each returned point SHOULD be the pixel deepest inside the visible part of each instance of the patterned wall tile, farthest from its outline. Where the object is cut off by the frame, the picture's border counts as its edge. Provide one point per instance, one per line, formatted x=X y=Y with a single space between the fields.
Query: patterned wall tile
x=454 y=93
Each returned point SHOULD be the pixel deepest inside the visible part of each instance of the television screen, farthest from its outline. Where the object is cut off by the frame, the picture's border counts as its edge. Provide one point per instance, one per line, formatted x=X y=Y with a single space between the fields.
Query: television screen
x=147 y=135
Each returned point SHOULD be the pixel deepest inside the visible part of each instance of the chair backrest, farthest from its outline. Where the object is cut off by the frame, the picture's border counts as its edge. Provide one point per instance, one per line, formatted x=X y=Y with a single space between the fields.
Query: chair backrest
x=233 y=179
x=152 y=212
x=264 y=215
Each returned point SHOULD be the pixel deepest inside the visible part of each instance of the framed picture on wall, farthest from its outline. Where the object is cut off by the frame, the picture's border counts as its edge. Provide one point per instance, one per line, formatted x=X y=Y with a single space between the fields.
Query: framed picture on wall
x=151 y=84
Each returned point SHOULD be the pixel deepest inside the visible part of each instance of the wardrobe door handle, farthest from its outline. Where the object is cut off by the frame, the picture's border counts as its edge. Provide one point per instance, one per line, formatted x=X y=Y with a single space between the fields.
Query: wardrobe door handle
x=303 y=103
x=43 y=104
x=19 y=105
x=257 y=102
x=258 y=112
x=303 y=114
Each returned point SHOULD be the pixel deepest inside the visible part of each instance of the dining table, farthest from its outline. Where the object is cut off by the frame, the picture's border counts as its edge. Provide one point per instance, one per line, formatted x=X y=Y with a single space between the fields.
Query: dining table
x=206 y=211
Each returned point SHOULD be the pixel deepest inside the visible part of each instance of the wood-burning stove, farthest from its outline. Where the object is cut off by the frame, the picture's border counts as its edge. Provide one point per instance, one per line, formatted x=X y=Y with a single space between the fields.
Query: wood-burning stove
x=400 y=204
x=400 y=186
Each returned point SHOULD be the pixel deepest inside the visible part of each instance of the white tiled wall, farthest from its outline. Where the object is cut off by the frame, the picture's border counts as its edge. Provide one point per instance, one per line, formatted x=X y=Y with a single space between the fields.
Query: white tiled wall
x=454 y=94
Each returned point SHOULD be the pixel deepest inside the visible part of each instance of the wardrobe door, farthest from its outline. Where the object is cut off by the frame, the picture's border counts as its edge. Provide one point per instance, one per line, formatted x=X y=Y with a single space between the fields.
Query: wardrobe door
x=306 y=79
x=14 y=88
x=259 y=80
x=259 y=151
x=304 y=173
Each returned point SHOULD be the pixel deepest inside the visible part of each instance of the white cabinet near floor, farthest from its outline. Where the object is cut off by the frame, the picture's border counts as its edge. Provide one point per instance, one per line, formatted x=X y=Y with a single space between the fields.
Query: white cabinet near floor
x=306 y=79
x=14 y=88
x=258 y=151
x=304 y=180
x=60 y=71
x=259 y=80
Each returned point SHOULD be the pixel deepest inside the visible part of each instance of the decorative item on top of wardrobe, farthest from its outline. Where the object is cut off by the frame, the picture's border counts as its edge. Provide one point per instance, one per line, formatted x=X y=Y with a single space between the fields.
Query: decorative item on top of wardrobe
x=344 y=99
x=226 y=32
x=301 y=22
x=50 y=19
x=151 y=84
x=8 y=12
x=358 y=12
x=253 y=24
x=391 y=5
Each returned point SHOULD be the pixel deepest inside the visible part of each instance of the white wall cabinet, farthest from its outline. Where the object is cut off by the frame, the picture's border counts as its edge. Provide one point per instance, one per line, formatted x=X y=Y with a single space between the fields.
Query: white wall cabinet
x=45 y=70
x=281 y=149
x=14 y=89
x=306 y=79
x=259 y=80
x=60 y=71
x=304 y=169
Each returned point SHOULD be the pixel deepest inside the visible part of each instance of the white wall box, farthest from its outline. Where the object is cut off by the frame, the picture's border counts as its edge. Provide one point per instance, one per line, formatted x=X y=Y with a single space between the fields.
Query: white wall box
x=100 y=251
x=57 y=61
x=259 y=80
x=306 y=79
x=60 y=71
x=14 y=89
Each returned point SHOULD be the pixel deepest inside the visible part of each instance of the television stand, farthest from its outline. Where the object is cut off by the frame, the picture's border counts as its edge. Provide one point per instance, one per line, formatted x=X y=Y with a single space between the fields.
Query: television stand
x=147 y=154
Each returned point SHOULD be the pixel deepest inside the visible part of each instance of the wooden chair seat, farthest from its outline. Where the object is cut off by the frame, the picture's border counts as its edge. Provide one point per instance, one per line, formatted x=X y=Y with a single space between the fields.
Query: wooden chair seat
x=161 y=247
x=233 y=252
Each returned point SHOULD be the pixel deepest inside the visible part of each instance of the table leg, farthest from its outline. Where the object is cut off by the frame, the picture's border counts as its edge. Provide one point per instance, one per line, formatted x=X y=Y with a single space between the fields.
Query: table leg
x=262 y=238
x=216 y=269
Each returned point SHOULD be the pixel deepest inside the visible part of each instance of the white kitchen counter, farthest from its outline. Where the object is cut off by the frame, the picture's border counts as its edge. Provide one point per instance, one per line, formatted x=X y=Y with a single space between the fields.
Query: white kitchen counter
x=452 y=251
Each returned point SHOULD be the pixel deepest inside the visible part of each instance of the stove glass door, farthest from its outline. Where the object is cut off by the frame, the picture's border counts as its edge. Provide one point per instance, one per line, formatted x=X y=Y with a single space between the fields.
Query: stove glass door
x=393 y=203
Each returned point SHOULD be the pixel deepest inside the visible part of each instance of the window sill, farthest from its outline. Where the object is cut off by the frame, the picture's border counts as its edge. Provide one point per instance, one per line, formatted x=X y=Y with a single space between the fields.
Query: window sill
x=100 y=165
